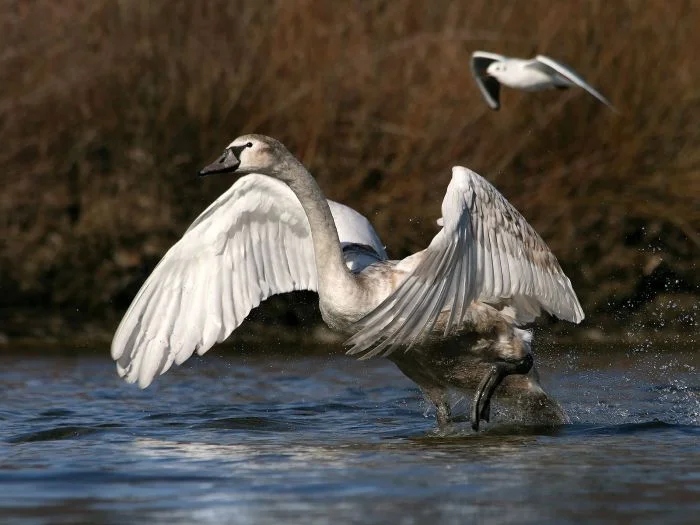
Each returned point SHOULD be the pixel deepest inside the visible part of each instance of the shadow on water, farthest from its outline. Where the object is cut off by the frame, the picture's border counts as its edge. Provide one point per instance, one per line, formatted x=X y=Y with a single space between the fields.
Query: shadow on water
x=62 y=432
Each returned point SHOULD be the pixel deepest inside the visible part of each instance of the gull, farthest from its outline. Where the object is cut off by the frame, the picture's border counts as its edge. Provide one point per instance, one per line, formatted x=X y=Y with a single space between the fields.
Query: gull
x=491 y=70
x=448 y=316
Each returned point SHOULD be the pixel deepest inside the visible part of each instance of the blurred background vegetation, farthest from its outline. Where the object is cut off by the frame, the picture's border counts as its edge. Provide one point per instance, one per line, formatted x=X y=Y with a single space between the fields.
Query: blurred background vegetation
x=108 y=109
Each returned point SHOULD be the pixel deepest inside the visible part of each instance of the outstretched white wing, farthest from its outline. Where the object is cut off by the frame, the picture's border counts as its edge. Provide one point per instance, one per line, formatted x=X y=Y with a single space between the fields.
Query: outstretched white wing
x=486 y=251
x=253 y=242
x=553 y=67
x=490 y=87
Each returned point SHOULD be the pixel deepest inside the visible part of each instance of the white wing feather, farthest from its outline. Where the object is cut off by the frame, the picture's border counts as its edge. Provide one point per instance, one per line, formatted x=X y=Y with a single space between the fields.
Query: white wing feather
x=486 y=251
x=254 y=241
x=569 y=74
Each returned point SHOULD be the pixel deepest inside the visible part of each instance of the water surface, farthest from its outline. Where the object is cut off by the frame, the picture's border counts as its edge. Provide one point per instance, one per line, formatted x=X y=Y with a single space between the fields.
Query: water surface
x=250 y=437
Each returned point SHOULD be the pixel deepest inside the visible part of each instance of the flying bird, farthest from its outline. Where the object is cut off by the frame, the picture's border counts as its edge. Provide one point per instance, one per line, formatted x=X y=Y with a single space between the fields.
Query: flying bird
x=448 y=316
x=491 y=70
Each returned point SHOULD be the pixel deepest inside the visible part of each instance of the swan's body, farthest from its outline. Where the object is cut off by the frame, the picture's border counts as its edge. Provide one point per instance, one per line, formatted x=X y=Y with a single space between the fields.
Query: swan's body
x=491 y=70
x=447 y=316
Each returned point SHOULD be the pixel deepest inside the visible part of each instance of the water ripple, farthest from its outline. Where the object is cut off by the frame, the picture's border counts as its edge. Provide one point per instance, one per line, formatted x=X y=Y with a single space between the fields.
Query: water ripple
x=254 y=439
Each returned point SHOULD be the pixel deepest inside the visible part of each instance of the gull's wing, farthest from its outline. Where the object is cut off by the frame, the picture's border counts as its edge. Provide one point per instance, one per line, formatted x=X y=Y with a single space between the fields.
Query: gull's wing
x=552 y=67
x=490 y=87
x=486 y=251
x=254 y=241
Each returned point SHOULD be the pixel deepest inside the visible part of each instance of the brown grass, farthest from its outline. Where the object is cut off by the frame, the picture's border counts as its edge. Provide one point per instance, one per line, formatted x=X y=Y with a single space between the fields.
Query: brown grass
x=107 y=109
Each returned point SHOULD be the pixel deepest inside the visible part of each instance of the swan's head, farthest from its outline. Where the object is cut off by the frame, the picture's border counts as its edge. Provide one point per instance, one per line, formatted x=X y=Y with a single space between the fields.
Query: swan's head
x=252 y=154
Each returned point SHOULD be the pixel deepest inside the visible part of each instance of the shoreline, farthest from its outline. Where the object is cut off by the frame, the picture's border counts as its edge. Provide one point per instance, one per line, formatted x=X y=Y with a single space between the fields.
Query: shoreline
x=276 y=324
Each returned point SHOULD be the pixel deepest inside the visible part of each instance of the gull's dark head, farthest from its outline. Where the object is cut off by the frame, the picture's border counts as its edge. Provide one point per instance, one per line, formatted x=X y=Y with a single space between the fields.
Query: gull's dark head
x=496 y=68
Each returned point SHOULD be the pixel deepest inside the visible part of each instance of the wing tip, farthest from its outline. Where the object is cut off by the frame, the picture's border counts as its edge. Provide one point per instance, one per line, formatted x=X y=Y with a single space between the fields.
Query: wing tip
x=460 y=171
x=574 y=315
x=467 y=175
x=134 y=374
x=144 y=381
x=116 y=350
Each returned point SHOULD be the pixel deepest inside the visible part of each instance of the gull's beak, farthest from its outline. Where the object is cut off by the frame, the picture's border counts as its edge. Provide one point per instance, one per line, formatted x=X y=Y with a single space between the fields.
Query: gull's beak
x=227 y=163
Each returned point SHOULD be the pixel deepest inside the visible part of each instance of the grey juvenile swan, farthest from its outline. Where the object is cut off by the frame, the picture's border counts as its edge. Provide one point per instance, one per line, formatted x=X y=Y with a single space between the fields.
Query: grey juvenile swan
x=491 y=70
x=447 y=316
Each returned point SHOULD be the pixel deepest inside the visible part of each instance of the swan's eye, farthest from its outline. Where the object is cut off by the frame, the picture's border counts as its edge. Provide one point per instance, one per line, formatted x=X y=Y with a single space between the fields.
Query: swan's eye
x=249 y=145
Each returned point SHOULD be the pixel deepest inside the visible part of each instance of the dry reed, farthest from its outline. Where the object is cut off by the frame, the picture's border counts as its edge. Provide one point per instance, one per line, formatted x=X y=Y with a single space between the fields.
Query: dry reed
x=107 y=110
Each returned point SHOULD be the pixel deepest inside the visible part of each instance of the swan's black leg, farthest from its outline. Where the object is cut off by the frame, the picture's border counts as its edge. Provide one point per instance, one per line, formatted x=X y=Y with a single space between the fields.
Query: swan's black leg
x=481 y=405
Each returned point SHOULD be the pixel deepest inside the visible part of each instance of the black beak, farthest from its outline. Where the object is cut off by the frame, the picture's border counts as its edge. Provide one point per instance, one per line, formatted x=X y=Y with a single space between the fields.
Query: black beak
x=227 y=163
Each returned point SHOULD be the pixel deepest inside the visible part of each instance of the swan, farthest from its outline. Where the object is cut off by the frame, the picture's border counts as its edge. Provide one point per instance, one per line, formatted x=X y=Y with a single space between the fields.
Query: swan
x=447 y=316
x=491 y=70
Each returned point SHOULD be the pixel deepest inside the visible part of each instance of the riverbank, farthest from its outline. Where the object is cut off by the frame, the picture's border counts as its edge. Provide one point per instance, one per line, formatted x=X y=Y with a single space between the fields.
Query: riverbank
x=296 y=323
x=103 y=137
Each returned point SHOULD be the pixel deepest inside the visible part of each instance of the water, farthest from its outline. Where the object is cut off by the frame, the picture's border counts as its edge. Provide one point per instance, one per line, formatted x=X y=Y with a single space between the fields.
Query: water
x=252 y=437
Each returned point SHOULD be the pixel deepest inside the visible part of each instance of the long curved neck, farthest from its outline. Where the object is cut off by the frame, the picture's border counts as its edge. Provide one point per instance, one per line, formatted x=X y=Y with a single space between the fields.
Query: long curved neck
x=333 y=275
